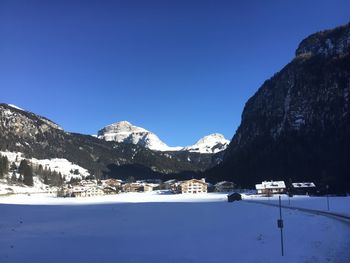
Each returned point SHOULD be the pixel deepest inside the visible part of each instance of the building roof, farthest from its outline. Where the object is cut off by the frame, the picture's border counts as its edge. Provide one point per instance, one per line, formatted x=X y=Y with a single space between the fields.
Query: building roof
x=194 y=181
x=270 y=185
x=223 y=183
x=303 y=185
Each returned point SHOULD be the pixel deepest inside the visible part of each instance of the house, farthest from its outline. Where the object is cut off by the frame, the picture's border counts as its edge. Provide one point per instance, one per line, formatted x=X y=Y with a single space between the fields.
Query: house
x=132 y=187
x=193 y=186
x=234 y=197
x=112 y=183
x=148 y=187
x=94 y=191
x=107 y=190
x=305 y=188
x=78 y=191
x=271 y=187
x=168 y=185
x=86 y=191
x=224 y=186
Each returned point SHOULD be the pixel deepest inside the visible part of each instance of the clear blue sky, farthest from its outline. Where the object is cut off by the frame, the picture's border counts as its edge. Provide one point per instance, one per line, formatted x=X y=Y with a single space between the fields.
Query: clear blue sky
x=182 y=69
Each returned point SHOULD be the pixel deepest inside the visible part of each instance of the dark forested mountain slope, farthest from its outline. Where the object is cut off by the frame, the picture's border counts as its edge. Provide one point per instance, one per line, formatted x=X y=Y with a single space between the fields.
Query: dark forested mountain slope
x=36 y=136
x=297 y=125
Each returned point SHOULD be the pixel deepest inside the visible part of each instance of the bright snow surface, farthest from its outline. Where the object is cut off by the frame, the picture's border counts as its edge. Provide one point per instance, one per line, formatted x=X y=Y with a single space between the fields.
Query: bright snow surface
x=149 y=227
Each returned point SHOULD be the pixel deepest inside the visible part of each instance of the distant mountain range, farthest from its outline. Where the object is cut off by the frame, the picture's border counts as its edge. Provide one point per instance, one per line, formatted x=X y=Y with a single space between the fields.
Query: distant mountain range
x=125 y=132
x=297 y=125
x=123 y=150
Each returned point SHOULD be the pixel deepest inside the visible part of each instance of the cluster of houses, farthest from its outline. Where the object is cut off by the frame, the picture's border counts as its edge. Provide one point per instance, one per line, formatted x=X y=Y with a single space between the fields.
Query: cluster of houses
x=279 y=187
x=87 y=188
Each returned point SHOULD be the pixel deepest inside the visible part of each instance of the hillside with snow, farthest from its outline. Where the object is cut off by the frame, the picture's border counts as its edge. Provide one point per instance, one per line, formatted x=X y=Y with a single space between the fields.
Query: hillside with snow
x=65 y=168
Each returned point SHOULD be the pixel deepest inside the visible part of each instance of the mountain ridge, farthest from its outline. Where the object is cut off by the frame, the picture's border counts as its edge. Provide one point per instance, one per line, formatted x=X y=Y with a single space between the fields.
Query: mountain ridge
x=126 y=132
x=38 y=137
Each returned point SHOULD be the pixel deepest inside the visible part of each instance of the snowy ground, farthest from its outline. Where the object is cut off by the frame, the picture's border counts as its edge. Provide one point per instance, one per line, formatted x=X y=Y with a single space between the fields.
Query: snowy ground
x=164 y=228
x=336 y=204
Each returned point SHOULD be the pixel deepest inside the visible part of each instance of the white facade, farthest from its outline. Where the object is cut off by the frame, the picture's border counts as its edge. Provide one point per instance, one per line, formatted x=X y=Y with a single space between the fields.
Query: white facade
x=193 y=186
x=271 y=187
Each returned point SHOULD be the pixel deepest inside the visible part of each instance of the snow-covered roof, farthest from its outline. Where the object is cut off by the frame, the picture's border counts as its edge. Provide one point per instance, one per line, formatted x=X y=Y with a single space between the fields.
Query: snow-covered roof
x=303 y=185
x=224 y=183
x=270 y=185
x=193 y=181
x=171 y=181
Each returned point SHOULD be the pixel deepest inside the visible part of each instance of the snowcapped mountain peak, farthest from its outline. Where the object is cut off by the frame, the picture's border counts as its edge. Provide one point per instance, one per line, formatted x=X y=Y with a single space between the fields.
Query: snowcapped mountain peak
x=125 y=132
x=212 y=138
x=123 y=126
x=212 y=143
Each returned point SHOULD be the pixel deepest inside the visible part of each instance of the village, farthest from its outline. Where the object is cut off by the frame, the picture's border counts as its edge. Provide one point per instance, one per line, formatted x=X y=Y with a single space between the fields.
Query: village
x=89 y=188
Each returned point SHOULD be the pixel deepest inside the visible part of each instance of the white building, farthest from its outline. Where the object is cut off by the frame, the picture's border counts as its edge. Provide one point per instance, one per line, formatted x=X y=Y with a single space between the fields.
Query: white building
x=271 y=187
x=192 y=186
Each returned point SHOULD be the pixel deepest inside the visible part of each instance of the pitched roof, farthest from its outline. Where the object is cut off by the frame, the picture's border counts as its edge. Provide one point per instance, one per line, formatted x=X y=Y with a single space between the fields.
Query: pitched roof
x=194 y=181
x=303 y=185
x=270 y=185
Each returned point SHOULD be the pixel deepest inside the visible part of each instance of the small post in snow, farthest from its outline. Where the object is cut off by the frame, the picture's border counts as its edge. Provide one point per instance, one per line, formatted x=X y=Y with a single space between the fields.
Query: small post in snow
x=280 y=225
x=327 y=186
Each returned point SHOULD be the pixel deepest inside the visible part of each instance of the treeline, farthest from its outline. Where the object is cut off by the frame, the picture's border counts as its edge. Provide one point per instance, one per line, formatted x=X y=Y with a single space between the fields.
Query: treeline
x=4 y=166
x=25 y=172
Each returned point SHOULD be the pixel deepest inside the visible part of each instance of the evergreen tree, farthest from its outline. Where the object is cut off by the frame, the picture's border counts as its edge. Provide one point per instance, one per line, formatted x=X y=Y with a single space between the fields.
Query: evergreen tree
x=26 y=171
x=13 y=177
x=13 y=167
x=5 y=165
x=22 y=166
x=1 y=168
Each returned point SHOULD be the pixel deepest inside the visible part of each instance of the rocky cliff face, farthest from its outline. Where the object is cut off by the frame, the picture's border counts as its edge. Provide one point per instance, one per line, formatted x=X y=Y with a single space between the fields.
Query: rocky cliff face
x=125 y=132
x=297 y=125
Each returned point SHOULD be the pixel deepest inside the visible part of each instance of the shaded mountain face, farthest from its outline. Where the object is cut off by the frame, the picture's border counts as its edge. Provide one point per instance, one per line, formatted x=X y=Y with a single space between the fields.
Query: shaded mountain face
x=38 y=137
x=297 y=125
x=125 y=132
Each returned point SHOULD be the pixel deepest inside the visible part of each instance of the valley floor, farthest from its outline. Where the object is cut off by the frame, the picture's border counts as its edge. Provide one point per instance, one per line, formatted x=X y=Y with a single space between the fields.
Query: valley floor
x=166 y=228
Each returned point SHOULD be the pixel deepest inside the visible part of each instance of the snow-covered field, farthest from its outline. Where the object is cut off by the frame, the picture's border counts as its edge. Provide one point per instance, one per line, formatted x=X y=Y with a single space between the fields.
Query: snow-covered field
x=336 y=204
x=149 y=227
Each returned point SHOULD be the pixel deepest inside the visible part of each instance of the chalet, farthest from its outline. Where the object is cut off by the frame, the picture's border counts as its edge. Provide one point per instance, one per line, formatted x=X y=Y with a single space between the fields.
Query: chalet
x=224 y=186
x=107 y=190
x=112 y=183
x=305 y=188
x=148 y=187
x=88 y=183
x=94 y=191
x=271 y=187
x=84 y=191
x=132 y=187
x=78 y=191
x=193 y=186
x=168 y=185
